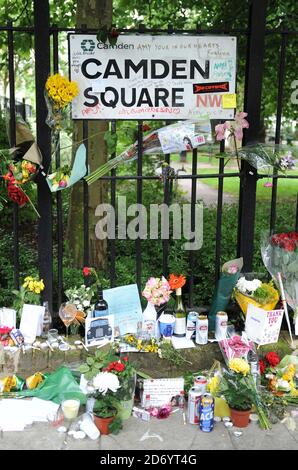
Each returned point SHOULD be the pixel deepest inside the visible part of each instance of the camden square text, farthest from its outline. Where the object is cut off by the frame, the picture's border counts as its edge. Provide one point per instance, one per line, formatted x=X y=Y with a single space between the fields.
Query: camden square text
x=153 y=69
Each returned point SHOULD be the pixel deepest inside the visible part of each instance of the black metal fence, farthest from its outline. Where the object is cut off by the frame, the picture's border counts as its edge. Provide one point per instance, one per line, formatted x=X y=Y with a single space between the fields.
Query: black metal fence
x=45 y=63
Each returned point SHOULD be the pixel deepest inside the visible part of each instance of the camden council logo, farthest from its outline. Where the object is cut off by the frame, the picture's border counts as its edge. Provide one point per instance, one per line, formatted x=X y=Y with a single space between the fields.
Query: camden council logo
x=87 y=46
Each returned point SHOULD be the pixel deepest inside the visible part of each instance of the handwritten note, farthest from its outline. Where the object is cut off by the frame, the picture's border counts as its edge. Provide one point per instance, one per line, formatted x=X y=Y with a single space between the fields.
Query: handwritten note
x=229 y=100
x=162 y=391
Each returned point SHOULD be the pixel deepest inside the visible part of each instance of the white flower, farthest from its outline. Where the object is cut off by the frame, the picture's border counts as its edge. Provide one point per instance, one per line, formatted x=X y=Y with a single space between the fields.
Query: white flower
x=86 y=303
x=76 y=302
x=105 y=381
x=80 y=307
x=283 y=385
x=248 y=287
x=87 y=289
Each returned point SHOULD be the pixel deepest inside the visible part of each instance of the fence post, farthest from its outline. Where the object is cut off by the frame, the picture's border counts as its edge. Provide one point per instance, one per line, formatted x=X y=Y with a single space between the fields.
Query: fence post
x=252 y=105
x=42 y=70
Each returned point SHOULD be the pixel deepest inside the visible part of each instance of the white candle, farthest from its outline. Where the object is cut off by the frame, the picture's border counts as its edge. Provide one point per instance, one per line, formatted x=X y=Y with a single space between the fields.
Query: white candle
x=70 y=408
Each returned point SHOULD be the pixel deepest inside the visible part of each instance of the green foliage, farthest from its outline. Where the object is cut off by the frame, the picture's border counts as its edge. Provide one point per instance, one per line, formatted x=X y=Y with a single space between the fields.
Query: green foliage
x=95 y=362
x=237 y=390
x=265 y=293
x=116 y=425
x=105 y=407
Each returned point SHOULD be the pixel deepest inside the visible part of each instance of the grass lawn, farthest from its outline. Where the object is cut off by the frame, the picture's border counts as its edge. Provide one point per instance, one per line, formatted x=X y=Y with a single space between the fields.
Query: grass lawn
x=287 y=188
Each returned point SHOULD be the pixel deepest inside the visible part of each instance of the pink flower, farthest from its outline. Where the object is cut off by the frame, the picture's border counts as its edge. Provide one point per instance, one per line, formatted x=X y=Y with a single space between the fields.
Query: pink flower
x=241 y=121
x=164 y=412
x=268 y=185
x=220 y=131
x=62 y=184
x=154 y=412
x=238 y=133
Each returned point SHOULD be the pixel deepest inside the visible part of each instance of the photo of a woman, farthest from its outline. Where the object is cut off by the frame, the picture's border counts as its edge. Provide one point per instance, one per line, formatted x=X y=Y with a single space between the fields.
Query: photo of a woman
x=187 y=143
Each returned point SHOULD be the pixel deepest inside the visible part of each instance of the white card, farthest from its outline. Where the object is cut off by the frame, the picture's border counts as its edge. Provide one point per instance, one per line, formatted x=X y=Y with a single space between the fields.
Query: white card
x=31 y=322
x=263 y=326
x=162 y=391
x=182 y=342
x=8 y=317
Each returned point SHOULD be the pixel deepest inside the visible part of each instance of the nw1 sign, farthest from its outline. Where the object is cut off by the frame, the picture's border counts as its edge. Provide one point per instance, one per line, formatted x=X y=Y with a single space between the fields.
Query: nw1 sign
x=152 y=77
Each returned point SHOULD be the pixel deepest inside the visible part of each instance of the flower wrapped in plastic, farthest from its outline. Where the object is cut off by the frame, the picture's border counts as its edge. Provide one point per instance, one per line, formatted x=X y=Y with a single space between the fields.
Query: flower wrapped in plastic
x=266 y=158
x=175 y=138
x=235 y=347
x=59 y=92
x=255 y=292
x=280 y=255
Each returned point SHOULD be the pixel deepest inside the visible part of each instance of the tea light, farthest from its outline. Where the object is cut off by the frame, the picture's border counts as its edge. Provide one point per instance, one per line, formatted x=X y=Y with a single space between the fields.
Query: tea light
x=70 y=408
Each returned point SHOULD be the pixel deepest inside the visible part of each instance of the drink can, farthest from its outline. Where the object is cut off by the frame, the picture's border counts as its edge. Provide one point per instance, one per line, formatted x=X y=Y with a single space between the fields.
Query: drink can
x=221 y=325
x=206 y=415
x=202 y=329
x=191 y=325
x=200 y=383
x=194 y=396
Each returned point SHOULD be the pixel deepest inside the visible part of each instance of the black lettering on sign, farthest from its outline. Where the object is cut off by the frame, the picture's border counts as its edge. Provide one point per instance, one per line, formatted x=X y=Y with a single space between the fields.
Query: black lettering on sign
x=216 y=87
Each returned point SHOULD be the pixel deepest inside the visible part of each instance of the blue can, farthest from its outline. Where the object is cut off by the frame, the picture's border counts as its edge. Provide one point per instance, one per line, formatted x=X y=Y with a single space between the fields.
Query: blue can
x=206 y=416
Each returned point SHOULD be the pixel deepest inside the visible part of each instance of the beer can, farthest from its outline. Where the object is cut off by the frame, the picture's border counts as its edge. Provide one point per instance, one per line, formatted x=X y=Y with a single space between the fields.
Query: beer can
x=221 y=325
x=202 y=329
x=191 y=325
x=194 y=396
x=206 y=413
x=200 y=383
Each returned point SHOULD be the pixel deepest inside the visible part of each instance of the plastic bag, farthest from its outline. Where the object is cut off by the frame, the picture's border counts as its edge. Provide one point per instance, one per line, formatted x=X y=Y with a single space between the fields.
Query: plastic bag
x=58 y=386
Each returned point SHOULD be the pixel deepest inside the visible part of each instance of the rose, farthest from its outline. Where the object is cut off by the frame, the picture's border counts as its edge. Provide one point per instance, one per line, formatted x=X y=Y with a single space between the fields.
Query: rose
x=272 y=358
x=86 y=271
x=262 y=366
x=119 y=367
x=164 y=412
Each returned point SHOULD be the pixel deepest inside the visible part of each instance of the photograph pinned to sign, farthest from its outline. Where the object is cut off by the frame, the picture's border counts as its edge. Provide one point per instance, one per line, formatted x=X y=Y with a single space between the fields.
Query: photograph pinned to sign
x=162 y=391
x=124 y=303
x=99 y=331
x=263 y=326
x=31 y=322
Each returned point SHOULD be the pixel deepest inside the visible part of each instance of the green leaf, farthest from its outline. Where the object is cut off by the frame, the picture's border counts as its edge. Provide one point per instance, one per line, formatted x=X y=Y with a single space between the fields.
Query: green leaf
x=90 y=361
x=113 y=40
x=83 y=369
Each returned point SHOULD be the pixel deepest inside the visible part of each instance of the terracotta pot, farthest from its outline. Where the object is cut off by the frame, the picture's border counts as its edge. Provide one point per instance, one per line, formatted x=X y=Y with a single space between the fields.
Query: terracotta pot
x=240 y=419
x=102 y=424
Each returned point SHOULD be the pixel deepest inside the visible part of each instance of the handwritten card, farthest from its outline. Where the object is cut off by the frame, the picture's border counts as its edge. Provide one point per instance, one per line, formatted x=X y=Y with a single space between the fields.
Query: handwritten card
x=31 y=322
x=229 y=100
x=124 y=303
x=162 y=391
x=263 y=326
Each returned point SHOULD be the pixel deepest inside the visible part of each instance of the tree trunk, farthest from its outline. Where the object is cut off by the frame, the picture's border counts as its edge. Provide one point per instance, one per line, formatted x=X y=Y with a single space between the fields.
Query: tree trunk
x=94 y=14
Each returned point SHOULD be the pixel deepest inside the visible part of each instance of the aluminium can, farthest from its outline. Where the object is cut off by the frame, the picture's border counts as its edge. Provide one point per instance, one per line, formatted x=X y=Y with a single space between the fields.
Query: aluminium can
x=221 y=325
x=200 y=383
x=202 y=329
x=206 y=413
x=191 y=325
x=194 y=397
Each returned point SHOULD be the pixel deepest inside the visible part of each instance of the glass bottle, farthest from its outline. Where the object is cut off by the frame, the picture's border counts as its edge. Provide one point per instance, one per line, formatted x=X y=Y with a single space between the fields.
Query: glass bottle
x=101 y=307
x=47 y=320
x=180 y=315
x=181 y=400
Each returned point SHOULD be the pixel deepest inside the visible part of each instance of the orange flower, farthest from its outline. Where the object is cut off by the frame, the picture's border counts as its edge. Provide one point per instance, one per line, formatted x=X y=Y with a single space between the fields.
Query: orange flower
x=176 y=281
x=79 y=318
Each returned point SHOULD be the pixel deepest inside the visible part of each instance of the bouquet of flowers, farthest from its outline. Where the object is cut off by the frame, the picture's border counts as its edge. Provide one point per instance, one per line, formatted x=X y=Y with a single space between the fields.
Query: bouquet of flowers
x=235 y=347
x=280 y=256
x=266 y=157
x=23 y=171
x=178 y=137
x=29 y=293
x=228 y=278
x=280 y=375
x=157 y=291
x=81 y=298
x=4 y=335
x=60 y=178
x=59 y=92
x=261 y=294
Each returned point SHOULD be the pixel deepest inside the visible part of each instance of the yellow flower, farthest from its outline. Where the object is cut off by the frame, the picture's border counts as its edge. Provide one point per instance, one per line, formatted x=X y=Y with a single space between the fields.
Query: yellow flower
x=289 y=373
x=239 y=365
x=31 y=286
x=294 y=392
x=139 y=344
x=213 y=384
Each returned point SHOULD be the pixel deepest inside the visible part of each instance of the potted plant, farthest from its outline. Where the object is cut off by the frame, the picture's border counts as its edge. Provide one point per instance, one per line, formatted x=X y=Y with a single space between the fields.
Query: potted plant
x=237 y=387
x=105 y=413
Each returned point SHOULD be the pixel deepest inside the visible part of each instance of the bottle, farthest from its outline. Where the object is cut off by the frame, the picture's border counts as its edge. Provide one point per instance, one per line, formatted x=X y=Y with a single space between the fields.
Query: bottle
x=180 y=315
x=101 y=308
x=149 y=321
x=181 y=401
x=147 y=404
x=253 y=361
x=47 y=320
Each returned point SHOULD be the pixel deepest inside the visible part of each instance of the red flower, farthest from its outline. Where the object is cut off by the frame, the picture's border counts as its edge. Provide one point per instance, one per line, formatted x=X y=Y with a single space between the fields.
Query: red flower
x=86 y=271
x=272 y=358
x=262 y=366
x=114 y=33
x=15 y=194
x=119 y=367
x=176 y=281
x=288 y=245
x=125 y=358
x=146 y=128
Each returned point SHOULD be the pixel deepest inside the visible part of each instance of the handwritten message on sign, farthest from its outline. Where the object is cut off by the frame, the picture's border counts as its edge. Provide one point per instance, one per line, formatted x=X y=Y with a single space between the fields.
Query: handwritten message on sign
x=152 y=77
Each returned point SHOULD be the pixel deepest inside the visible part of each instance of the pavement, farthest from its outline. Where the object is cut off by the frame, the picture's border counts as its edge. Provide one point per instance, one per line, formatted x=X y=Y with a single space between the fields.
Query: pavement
x=169 y=434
